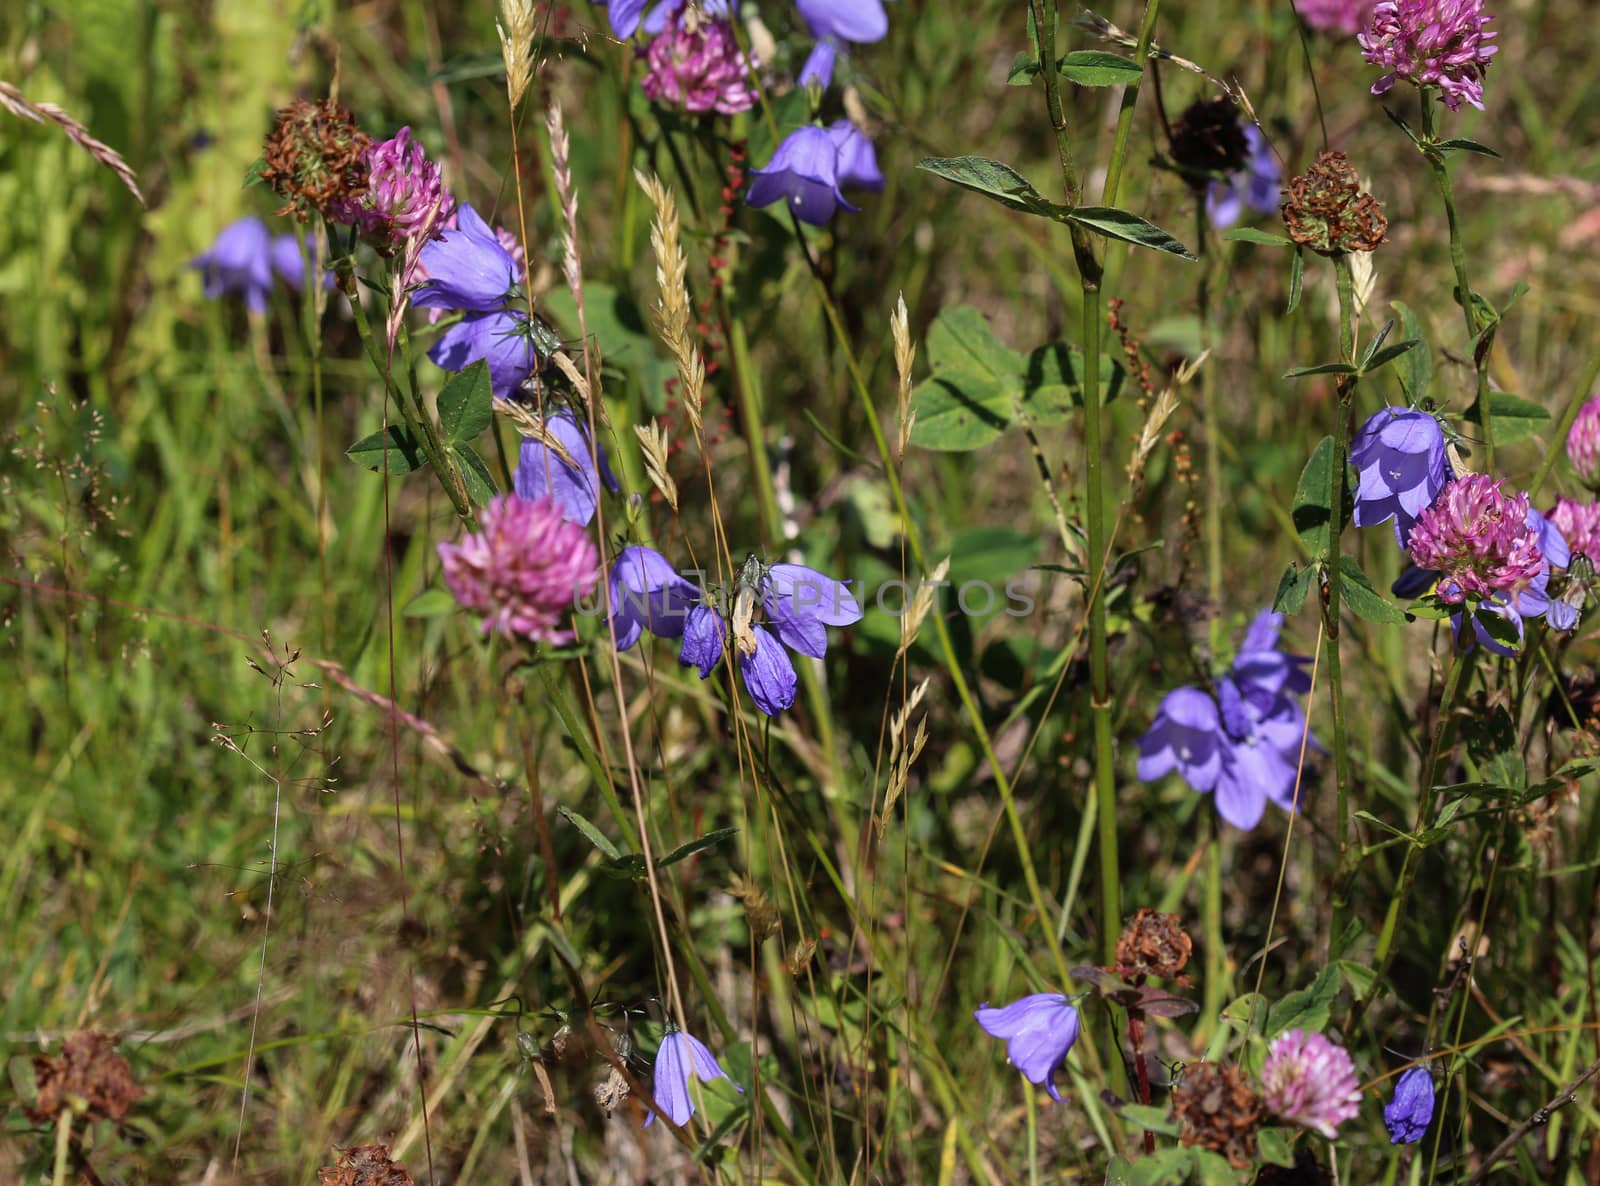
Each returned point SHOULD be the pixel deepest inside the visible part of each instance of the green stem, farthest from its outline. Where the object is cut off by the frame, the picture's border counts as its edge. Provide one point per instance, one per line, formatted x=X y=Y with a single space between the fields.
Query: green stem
x=1208 y=404
x=1130 y=99
x=1458 y=259
x=1383 y=954
x=1330 y=567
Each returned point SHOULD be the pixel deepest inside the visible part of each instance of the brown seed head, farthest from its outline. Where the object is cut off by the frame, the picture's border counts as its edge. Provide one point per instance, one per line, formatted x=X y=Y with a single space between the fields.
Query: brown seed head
x=1153 y=944
x=315 y=158
x=1208 y=139
x=365 y=1165
x=1326 y=211
x=1218 y=1111
x=88 y=1075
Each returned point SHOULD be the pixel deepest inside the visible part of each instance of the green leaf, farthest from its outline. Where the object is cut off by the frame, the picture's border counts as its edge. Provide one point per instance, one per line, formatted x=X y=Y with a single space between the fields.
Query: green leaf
x=1172 y=1163
x=1156 y=1120
x=1130 y=228
x=431 y=603
x=1246 y=1011
x=967 y=402
x=1024 y=69
x=1416 y=372
x=403 y=450
x=1460 y=145
x=592 y=834
x=1246 y=234
x=1297 y=274
x=1515 y=419
x=252 y=175
x=1052 y=385
x=1292 y=589
x=1307 y=1008
x=1368 y=818
x=1364 y=601
x=993 y=180
x=466 y=403
x=1327 y=368
x=1310 y=510
x=480 y=484
x=1118 y=1172
x=1358 y=976
x=960 y=339
x=1091 y=67
x=684 y=851
x=1274 y=1146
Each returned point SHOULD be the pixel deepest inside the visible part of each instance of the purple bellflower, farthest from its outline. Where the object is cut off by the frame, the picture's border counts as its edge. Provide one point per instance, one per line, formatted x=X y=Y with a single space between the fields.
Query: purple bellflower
x=1255 y=186
x=502 y=339
x=1409 y=1113
x=1039 y=1030
x=1440 y=43
x=468 y=268
x=680 y=1058
x=834 y=23
x=858 y=161
x=1400 y=464
x=574 y=484
x=804 y=174
x=240 y=261
x=648 y=594
x=800 y=603
x=1242 y=745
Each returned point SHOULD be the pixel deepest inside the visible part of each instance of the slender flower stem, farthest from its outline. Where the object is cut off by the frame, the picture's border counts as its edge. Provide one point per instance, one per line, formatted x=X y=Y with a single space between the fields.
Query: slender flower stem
x=1099 y=682
x=1208 y=405
x=1130 y=99
x=1383 y=953
x=1558 y=440
x=1334 y=577
x=1458 y=259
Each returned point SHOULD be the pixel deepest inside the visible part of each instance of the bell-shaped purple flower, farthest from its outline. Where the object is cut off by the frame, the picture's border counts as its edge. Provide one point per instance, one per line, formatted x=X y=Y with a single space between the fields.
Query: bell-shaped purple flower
x=848 y=20
x=1409 y=1113
x=503 y=339
x=468 y=268
x=239 y=261
x=1399 y=459
x=680 y=1058
x=1186 y=737
x=858 y=161
x=574 y=484
x=804 y=174
x=799 y=604
x=648 y=594
x=1254 y=187
x=1039 y=1030
x=819 y=63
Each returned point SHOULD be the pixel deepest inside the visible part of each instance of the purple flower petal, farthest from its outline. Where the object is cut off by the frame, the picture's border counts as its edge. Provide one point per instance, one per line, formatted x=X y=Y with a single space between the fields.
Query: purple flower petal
x=704 y=634
x=468 y=268
x=768 y=673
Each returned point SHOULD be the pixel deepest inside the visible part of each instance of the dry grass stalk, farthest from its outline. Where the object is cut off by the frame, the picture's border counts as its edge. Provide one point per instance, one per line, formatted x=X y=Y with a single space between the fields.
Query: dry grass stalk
x=526 y=420
x=516 y=29
x=672 y=314
x=14 y=101
x=1161 y=409
x=1364 y=279
x=904 y=749
x=561 y=167
x=904 y=354
x=653 y=443
x=921 y=602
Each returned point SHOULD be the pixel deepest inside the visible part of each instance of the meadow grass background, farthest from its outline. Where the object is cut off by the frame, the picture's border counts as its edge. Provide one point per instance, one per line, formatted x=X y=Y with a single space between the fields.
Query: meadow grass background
x=164 y=590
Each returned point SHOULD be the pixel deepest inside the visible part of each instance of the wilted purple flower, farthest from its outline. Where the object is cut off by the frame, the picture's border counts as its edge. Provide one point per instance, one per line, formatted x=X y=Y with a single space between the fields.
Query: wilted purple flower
x=1310 y=1081
x=1399 y=459
x=1336 y=16
x=1440 y=43
x=858 y=161
x=504 y=340
x=469 y=268
x=1244 y=744
x=405 y=194
x=1039 y=1030
x=1583 y=442
x=800 y=603
x=1409 y=1113
x=680 y=1058
x=648 y=594
x=695 y=65
x=1579 y=524
x=240 y=260
x=524 y=570
x=819 y=63
x=574 y=484
x=804 y=173
x=1255 y=186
